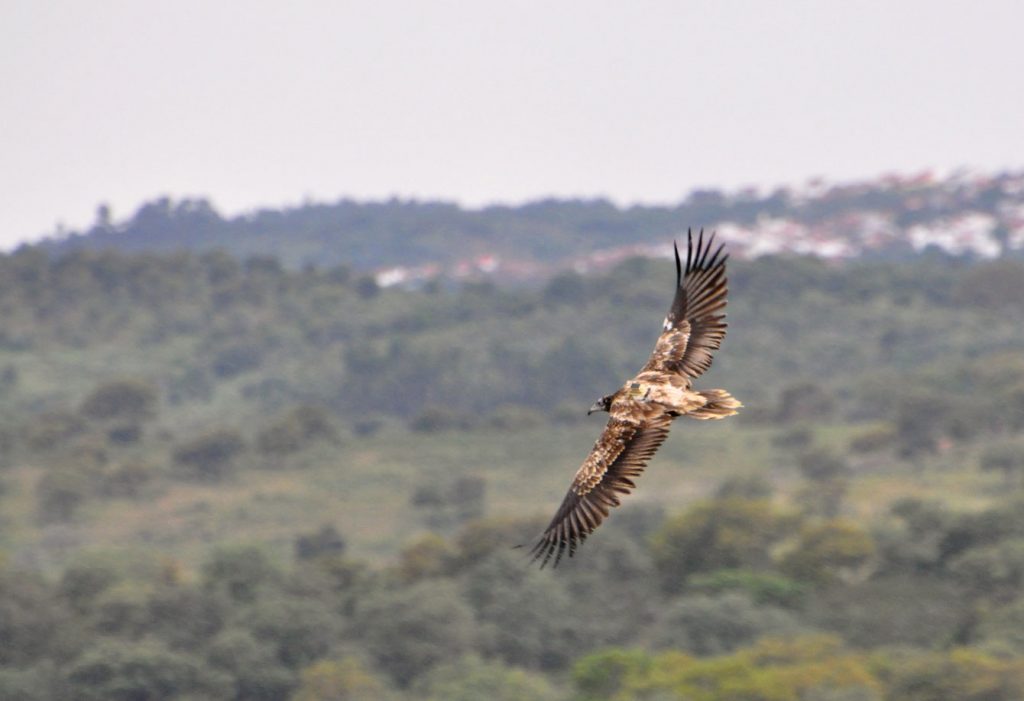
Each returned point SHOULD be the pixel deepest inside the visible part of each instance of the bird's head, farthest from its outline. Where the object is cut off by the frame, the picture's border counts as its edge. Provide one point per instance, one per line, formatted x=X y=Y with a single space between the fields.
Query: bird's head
x=602 y=404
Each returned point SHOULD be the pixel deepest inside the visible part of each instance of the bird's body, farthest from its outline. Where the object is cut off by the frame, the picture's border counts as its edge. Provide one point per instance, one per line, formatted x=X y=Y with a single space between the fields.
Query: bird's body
x=642 y=410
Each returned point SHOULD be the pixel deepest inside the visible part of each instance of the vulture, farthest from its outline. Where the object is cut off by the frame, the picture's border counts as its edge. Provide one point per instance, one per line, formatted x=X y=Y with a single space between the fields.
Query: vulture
x=642 y=410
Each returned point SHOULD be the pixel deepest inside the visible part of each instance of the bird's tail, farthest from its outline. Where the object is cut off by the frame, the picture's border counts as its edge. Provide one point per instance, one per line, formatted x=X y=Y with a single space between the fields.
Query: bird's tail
x=719 y=405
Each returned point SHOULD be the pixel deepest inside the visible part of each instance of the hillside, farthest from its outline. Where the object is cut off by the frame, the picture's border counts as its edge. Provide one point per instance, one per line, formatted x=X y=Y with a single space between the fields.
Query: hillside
x=232 y=479
x=890 y=218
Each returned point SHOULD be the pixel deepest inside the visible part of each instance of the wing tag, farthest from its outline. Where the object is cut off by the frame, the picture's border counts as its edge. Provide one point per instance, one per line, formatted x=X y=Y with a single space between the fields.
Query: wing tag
x=639 y=392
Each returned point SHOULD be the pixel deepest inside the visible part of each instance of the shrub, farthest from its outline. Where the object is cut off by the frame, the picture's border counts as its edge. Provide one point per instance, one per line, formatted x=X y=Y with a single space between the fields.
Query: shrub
x=296 y=429
x=129 y=400
x=125 y=434
x=60 y=493
x=210 y=457
x=437 y=418
x=1006 y=457
x=805 y=401
x=452 y=502
x=822 y=465
x=53 y=429
x=325 y=541
x=750 y=486
x=514 y=416
x=873 y=439
x=128 y=479
x=234 y=360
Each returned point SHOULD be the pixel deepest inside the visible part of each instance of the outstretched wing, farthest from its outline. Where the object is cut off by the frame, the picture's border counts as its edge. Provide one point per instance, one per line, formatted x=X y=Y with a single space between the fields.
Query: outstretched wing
x=618 y=456
x=695 y=325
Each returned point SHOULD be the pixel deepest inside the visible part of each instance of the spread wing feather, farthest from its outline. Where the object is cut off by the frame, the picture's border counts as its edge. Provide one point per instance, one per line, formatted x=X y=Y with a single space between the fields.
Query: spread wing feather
x=618 y=457
x=695 y=324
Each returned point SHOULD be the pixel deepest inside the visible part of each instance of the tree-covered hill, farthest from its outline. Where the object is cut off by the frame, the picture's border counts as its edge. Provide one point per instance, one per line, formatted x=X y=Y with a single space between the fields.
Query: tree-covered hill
x=228 y=478
x=203 y=327
x=891 y=218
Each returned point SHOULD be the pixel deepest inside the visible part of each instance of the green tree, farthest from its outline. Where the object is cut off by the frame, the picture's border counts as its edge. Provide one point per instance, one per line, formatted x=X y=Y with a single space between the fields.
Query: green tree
x=34 y=622
x=242 y=572
x=919 y=422
x=300 y=630
x=253 y=665
x=297 y=428
x=187 y=616
x=763 y=588
x=705 y=625
x=346 y=679
x=472 y=679
x=121 y=610
x=994 y=572
x=114 y=670
x=410 y=630
x=526 y=618
x=718 y=534
x=962 y=674
x=82 y=581
x=427 y=556
x=601 y=676
x=828 y=551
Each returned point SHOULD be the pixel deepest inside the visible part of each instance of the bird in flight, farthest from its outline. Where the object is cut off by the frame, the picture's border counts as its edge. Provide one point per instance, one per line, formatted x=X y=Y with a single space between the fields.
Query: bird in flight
x=642 y=410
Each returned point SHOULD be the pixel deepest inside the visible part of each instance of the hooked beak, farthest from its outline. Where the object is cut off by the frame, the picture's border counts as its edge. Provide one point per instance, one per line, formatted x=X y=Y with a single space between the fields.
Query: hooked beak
x=596 y=407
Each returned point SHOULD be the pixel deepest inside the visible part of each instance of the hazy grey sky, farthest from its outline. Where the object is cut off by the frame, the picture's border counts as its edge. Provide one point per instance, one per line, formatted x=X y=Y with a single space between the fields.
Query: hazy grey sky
x=268 y=103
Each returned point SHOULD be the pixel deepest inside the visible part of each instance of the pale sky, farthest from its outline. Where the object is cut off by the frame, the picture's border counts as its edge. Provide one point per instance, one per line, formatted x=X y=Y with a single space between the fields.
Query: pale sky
x=270 y=103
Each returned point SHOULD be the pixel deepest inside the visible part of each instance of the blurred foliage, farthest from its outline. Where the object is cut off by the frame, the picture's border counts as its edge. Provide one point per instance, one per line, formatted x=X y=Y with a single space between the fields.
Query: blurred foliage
x=468 y=618
x=470 y=679
x=346 y=679
x=210 y=457
x=725 y=533
x=295 y=429
x=359 y=461
x=130 y=400
x=826 y=551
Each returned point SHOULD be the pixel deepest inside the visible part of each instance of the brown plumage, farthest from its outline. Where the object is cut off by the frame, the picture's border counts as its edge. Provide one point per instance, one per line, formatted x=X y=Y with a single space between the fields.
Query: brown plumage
x=643 y=409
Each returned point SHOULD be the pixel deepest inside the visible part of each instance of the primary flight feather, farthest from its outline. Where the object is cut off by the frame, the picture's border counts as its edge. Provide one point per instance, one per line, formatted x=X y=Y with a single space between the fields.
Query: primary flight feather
x=642 y=410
